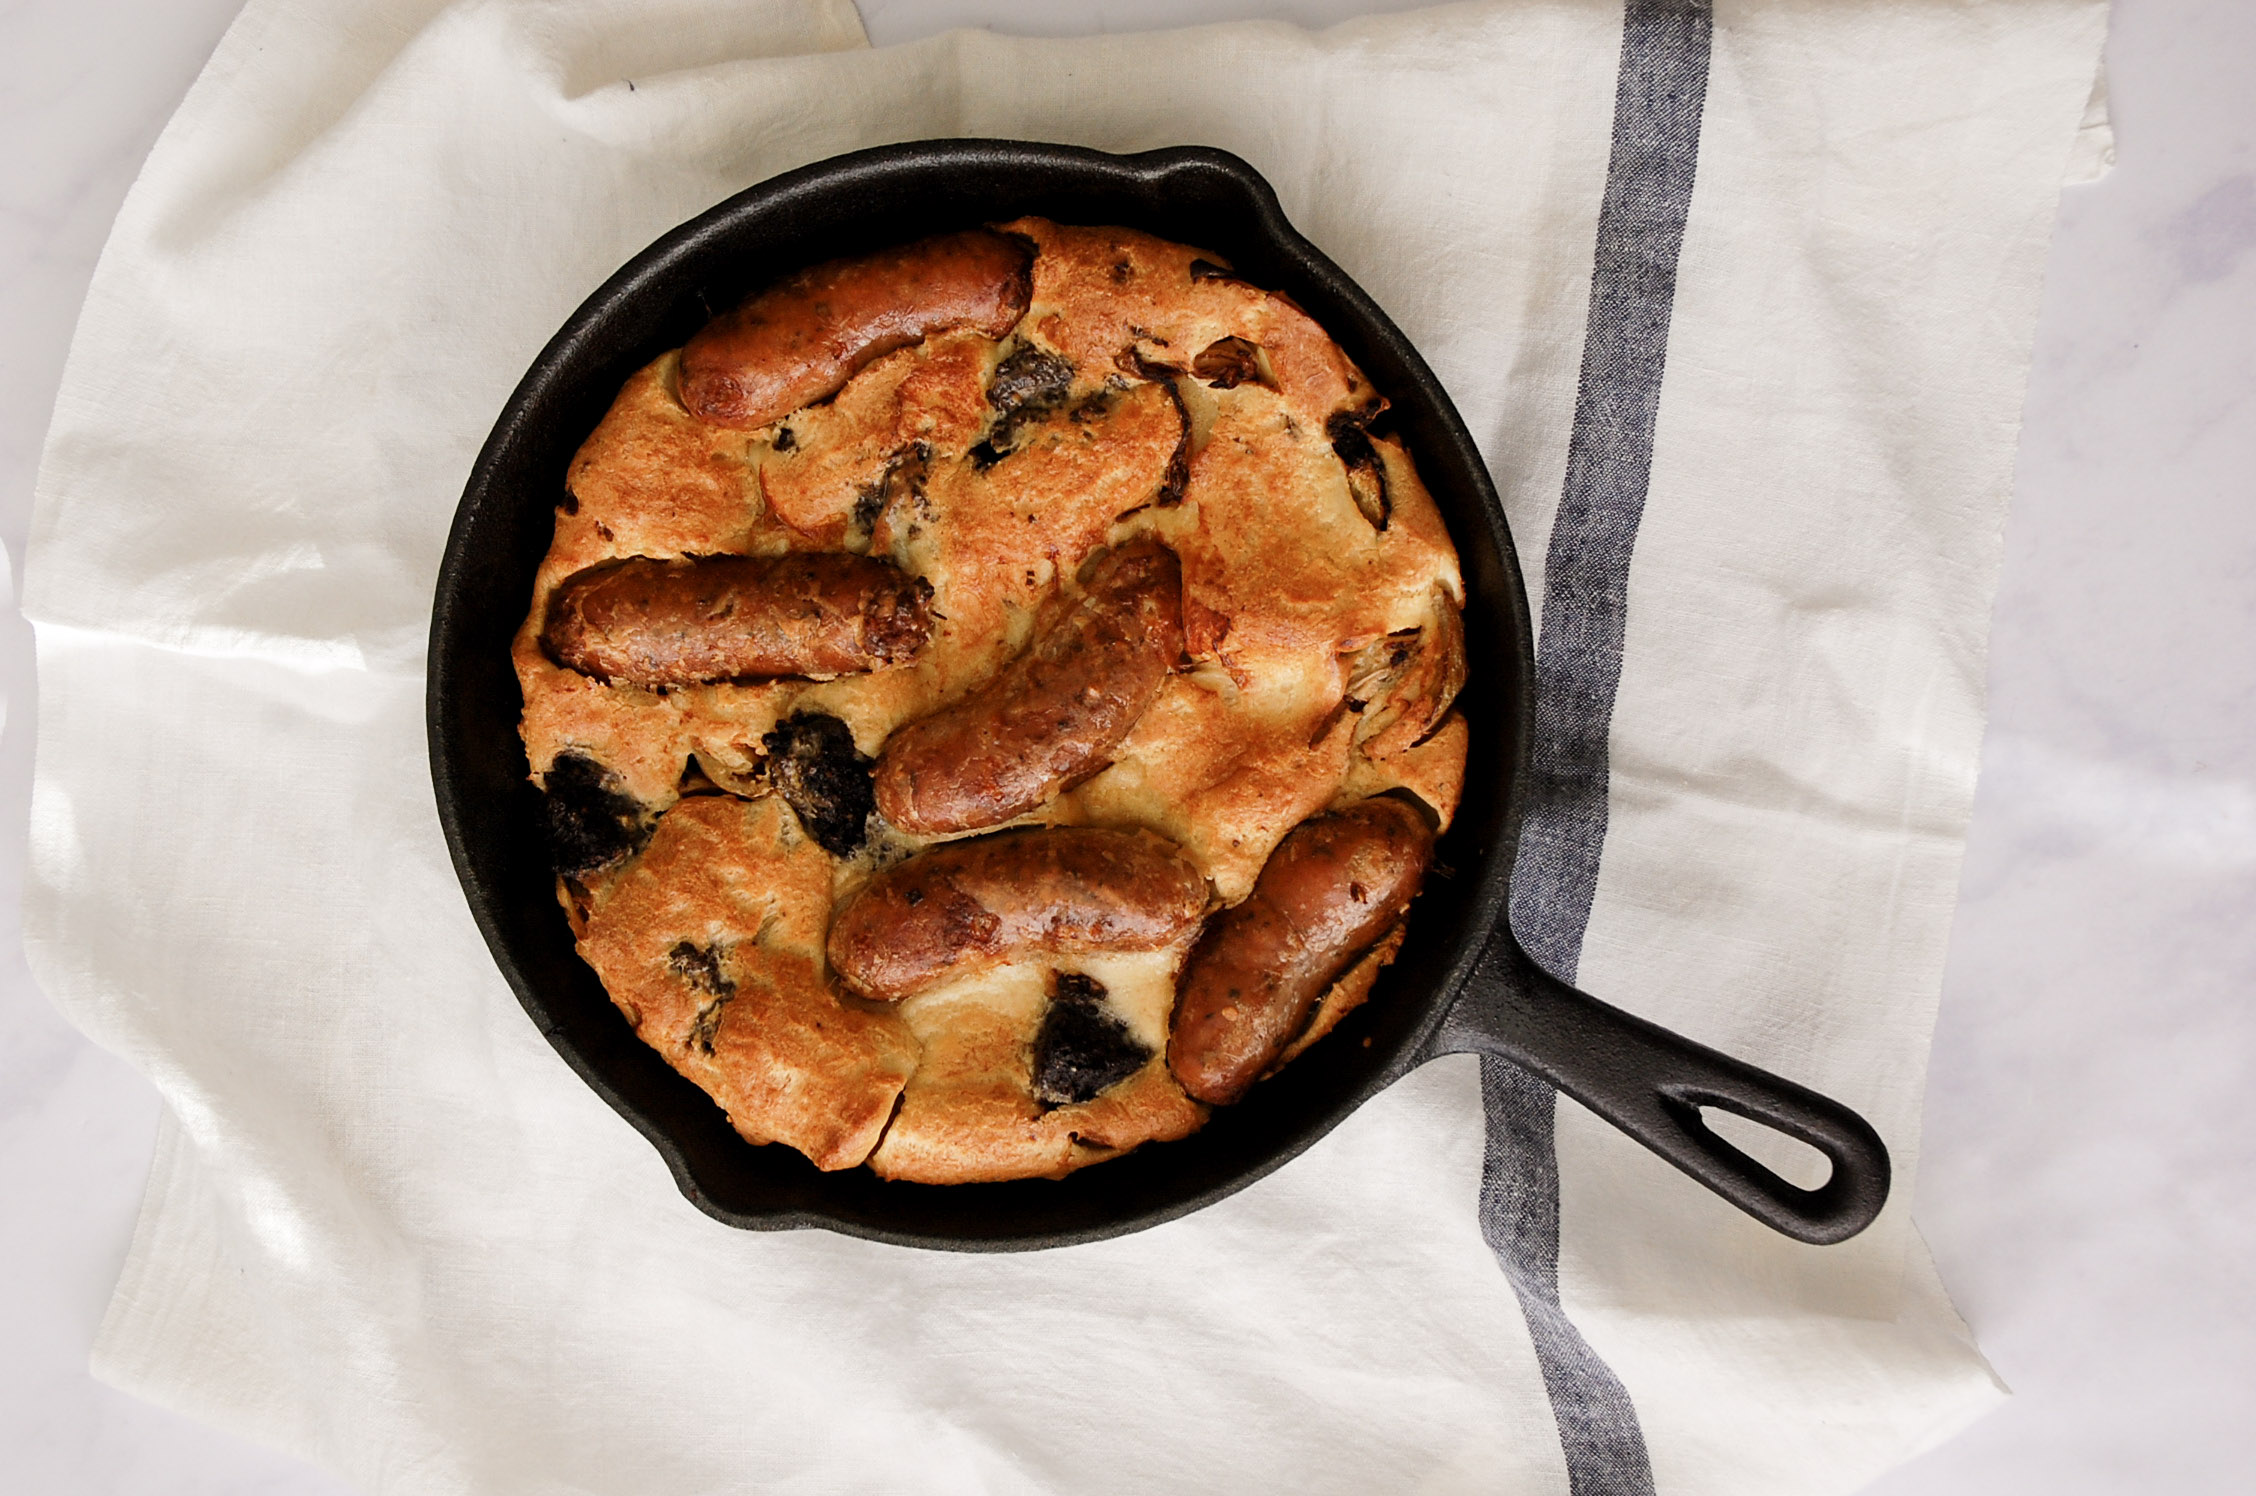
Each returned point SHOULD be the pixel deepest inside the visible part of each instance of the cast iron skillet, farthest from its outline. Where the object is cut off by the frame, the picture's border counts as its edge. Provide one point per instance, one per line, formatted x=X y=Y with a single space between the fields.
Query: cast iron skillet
x=1462 y=982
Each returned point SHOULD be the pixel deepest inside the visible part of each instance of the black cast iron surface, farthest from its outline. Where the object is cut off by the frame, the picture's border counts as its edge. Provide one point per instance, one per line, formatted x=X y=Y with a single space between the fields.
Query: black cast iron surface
x=1461 y=983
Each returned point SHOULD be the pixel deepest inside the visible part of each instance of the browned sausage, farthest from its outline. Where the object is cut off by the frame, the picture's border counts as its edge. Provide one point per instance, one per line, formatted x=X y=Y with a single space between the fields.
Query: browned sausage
x=801 y=339
x=1327 y=894
x=1058 y=889
x=1054 y=714
x=676 y=623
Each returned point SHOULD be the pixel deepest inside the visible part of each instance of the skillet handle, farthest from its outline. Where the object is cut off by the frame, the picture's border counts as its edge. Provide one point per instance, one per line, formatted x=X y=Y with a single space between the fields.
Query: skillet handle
x=1651 y=1083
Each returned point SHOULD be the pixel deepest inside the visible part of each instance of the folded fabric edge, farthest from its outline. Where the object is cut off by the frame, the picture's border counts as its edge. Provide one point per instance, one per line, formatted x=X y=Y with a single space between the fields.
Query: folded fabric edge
x=1925 y=1280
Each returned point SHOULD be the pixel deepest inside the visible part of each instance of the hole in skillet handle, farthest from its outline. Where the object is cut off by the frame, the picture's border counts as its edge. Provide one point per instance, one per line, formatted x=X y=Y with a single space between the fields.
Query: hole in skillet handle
x=1654 y=1085
x=1789 y=1158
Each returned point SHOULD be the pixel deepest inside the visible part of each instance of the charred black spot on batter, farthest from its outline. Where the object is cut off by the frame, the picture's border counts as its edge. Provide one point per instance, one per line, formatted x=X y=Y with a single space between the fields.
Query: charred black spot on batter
x=700 y=966
x=1366 y=475
x=592 y=821
x=824 y=778
x=1083 y=1048
x=1028 y=384
x=1350 y=438
x=1030 y=377
x=902 y=482
x=868 y=505
x=784 y=440
x=1025 y=386
x=706 y=1027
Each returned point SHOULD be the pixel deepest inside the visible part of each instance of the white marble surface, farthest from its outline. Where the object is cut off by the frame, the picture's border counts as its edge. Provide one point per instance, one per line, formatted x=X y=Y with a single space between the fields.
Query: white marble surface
x=2089 y=1182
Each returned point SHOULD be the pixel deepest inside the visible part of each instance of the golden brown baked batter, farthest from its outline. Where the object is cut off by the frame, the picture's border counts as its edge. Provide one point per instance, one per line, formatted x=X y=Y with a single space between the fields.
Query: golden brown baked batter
x=913 y=556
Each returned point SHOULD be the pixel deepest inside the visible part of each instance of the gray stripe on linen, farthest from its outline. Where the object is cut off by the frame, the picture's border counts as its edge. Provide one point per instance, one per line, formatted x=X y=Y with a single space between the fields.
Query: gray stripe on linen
x=1657 y=104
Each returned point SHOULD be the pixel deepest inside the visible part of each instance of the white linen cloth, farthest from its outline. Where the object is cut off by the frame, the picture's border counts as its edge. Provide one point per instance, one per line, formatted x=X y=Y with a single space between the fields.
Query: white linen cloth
x=388 y=1229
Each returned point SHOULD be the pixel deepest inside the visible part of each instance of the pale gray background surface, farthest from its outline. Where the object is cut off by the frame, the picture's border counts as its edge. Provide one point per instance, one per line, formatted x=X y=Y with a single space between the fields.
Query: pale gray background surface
x=2089 y=1179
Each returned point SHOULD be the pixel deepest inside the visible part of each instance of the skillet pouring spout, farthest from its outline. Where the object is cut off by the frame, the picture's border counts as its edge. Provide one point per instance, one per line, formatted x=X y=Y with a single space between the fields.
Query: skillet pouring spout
x=1652 y=1084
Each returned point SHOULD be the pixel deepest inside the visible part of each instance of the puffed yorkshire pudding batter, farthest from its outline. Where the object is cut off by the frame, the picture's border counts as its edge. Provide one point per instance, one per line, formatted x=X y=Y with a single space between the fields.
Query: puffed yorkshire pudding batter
x=994 y=698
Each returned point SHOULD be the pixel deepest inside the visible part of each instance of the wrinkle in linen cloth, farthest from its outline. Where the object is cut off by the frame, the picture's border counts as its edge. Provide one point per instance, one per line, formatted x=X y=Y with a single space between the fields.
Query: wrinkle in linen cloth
x=387 y=1229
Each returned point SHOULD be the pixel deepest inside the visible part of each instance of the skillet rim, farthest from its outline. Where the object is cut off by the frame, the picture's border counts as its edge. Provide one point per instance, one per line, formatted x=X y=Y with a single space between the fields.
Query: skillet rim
x=1378 y=1044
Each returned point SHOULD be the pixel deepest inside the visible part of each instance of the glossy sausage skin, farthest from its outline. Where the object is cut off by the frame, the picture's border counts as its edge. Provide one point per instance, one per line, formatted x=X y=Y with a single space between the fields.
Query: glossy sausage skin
x=1061 y=890
x=1328 y=893
x=1054 y=715
x=646 y=622
x=800 y=340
